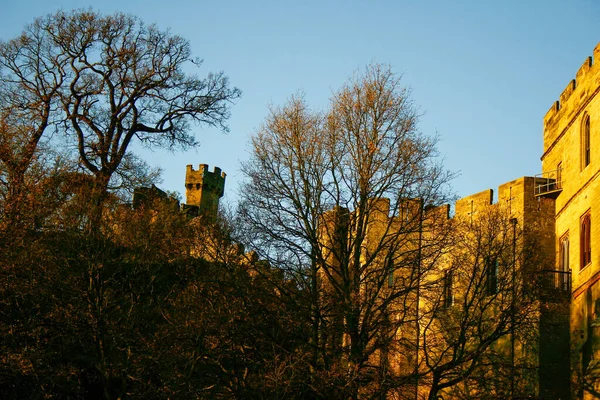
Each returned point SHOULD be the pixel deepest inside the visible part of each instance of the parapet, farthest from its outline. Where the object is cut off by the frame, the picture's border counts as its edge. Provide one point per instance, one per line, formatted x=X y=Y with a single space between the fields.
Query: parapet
x=203 y=169
x=565 y=108
x=469 y=205
x=515 y=197
x=203 y=178
x=438 y=213
x=379 y=207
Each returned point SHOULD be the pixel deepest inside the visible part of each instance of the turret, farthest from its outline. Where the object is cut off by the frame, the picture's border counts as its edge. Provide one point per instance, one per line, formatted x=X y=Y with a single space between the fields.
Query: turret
x=203 y=189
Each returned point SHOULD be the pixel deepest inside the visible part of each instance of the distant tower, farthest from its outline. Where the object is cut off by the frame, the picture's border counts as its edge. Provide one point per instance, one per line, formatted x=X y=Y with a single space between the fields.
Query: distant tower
x=203 y=189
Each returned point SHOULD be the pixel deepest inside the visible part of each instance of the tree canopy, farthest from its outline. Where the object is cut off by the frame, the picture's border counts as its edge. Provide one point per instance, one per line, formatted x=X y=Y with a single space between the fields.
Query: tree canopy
x=103 y=82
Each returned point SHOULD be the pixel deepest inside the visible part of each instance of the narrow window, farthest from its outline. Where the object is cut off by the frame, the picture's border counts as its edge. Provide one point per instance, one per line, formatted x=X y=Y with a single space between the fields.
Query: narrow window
x=491 y=276
x=448 y=294
x=390 y=271
x=561 y=280
x=585 y=242
x=404 y=211
x=585 y=142
x=559 y=176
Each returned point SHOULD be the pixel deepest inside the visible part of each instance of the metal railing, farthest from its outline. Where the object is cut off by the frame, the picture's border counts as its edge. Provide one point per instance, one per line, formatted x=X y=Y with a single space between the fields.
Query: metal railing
x=555 y=284
x=548 y=182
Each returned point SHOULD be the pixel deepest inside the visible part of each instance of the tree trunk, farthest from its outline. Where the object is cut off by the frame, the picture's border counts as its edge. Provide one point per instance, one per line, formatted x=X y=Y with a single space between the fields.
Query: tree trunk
x=15 y=203
x=99 y=196
x=434 y=390
x=316 y=318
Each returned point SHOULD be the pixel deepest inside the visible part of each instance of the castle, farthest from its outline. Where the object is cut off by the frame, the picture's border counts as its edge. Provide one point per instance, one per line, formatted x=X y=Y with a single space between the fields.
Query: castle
x=539 y=359
x=555 y=209
x=450 y=274
x=203 y=190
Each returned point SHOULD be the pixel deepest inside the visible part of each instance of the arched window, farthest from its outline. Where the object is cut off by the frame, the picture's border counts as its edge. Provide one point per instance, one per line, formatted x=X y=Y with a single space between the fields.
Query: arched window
x=585 y=142
x=585 y=243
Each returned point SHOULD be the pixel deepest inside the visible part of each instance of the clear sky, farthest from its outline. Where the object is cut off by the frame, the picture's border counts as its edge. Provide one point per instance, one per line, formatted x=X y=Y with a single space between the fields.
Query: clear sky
x=484 y=73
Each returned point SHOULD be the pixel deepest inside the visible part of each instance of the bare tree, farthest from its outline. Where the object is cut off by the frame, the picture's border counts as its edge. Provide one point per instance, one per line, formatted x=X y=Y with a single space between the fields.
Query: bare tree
x=120 y=80
x=103 y=82
x=285 y=199
x=340 y=205
x=482 y=295
x=31 y=74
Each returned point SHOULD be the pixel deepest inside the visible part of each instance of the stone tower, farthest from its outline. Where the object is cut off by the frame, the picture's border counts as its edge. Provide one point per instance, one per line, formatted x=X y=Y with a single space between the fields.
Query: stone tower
x=570 y=171
x=203 y=189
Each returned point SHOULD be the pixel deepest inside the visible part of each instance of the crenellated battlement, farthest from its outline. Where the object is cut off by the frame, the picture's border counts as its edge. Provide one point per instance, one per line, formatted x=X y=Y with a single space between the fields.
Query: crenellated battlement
x=576 y=93
x=469 y=205
x=590 y=63
x=566 y=93
x=516 y=198
x=585 y=67
x=203 y=176
x=204 y=188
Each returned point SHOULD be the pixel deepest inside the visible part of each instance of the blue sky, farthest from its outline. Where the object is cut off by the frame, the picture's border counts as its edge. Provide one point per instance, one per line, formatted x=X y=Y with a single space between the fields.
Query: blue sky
x=483 y=73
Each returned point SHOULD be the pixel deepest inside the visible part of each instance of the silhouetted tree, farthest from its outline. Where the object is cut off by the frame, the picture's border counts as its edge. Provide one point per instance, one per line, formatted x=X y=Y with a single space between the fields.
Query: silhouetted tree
x=483 y=298
x=112 y=80
x=336 y=202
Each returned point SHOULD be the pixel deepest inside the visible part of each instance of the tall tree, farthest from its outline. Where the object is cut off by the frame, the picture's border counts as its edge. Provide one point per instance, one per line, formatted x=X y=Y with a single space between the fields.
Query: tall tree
x=286 y=197
x=118 y=81
x=340 y=204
